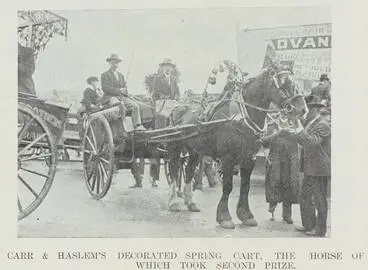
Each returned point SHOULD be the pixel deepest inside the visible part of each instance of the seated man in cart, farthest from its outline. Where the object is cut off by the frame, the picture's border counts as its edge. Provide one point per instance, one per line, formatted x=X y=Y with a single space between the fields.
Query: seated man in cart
x=115 y=92
x=164 y=90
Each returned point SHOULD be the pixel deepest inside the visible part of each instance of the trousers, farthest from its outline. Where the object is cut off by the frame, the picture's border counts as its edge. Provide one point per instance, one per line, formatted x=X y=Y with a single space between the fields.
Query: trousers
x=128 y=105
x=313 y=203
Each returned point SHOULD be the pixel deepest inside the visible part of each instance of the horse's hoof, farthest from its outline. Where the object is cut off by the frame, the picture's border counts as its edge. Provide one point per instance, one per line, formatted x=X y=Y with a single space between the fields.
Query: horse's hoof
x=250 y=222
x=192 y=207
x=180 y=194
x=174 y=207
x=227 y=224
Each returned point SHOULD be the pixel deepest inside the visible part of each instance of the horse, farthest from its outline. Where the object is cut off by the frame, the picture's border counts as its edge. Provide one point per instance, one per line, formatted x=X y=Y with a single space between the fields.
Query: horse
x=237 y=141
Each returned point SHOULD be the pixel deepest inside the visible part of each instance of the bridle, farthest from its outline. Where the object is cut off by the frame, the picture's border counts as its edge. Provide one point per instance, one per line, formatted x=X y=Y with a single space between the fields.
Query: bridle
x=285 y=107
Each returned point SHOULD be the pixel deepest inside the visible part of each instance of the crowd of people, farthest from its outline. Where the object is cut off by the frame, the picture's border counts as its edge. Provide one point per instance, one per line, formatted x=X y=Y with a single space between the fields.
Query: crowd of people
x=298 y=167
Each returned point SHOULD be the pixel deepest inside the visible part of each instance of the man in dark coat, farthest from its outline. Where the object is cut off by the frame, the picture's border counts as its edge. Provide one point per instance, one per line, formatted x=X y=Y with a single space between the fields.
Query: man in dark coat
x=315 y=138
x=165 y=85
x=26 y=68
x=115 y=91
x=282 y=182
x=163 y=89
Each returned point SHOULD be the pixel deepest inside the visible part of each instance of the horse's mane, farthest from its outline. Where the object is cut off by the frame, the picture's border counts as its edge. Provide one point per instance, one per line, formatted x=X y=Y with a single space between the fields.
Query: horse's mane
x=252 y=86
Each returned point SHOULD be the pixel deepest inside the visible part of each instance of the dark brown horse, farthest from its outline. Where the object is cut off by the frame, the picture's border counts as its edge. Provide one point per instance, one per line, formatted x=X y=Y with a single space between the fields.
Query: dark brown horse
x=237 y=141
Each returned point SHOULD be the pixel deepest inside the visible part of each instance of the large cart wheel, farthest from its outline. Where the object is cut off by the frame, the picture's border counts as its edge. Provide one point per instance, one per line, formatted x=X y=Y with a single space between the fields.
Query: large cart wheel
x=98 y=156
x=183 y=161
x=36 y=171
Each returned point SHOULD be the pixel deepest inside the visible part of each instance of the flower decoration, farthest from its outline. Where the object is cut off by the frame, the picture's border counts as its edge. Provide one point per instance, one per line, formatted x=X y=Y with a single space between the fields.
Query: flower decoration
x=36 y=28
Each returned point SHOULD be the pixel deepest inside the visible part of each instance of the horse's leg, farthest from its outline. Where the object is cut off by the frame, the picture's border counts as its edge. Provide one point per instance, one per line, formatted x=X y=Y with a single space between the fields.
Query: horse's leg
x=223 y=215
x=174 y=155
x=188 y=190
x=243 y=211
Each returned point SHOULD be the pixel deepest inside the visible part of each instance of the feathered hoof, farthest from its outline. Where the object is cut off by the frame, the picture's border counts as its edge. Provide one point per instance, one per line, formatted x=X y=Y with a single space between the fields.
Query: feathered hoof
x=250 y=222
x=227 y=224
x=175 y=207
x=192 y=207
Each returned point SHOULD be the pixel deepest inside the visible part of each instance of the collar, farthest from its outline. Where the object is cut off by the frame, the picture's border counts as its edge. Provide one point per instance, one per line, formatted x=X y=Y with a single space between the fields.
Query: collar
x=114 y=72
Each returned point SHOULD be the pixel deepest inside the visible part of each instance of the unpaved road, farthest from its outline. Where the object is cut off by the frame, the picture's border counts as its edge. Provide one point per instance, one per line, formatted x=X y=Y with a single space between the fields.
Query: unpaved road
x=69 y=211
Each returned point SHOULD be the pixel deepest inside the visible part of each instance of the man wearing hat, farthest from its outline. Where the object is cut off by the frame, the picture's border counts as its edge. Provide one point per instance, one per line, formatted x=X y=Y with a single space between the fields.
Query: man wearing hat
x=315 y=138
x=115 y=91
x=92 y=95
x=323 y=88
x=165 y=93
x=165 y=83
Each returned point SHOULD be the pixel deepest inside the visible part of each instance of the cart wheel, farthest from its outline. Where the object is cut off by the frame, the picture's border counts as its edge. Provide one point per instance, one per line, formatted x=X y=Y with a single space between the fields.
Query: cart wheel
x=34 y=178
x=183 y=161
x=98 y=156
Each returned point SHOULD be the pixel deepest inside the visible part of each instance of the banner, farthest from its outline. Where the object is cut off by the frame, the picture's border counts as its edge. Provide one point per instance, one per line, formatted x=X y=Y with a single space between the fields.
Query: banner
x=305 y=49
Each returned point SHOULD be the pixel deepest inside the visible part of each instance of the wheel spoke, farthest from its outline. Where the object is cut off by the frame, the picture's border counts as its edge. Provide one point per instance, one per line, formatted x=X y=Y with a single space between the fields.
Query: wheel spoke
x=104 y=160
x=20 y=208
x=33 y=157
x=91 y=144
x=98 y=180
x=94 y=180
x=93 y=135
x=24 y=129
x=37 y=173
x=32 y=143
x=103 y=169
x=28 y=186
x=101 y=149
x=90 y=174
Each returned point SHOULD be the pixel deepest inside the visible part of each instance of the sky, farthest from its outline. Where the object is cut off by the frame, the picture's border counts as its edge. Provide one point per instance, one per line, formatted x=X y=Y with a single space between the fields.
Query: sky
x=195 y=40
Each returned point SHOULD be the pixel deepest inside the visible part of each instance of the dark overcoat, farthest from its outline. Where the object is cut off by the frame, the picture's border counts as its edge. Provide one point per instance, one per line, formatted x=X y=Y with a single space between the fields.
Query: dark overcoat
x=283 y=179
x=111 y=85
x=26 y=68
x=316 y=142
x=161 y=89
x=90 y=97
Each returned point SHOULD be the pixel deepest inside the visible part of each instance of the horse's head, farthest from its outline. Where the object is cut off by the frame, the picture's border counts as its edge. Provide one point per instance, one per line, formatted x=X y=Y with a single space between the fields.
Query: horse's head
x=284 y=92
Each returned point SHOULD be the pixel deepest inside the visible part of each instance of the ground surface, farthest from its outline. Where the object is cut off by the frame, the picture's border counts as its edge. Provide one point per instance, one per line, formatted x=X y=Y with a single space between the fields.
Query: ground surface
x=69 y=211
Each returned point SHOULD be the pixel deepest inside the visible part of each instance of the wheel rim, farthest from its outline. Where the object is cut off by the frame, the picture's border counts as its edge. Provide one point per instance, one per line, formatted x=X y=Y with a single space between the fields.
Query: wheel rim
x=36 y=161
x=98 y=157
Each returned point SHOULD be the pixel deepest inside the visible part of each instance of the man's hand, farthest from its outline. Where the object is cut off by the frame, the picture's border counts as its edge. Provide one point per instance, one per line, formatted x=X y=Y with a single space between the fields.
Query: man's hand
x=285 y=132
x=124 y=91
x=299 y=126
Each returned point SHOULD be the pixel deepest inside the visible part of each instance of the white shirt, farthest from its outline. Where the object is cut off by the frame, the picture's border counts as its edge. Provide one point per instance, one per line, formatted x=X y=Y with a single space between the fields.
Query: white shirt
x=168 y=77
x=116 y=73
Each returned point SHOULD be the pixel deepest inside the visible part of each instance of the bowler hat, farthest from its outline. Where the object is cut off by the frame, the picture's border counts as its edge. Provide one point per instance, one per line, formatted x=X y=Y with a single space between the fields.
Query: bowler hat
x=324 y=77
x=92 y=79
x=314 y=101
x=113 y=57
x=168 y=62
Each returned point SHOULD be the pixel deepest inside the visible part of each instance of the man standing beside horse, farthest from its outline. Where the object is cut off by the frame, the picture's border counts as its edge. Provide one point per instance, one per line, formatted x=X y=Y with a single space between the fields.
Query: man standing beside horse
x=315 y=138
